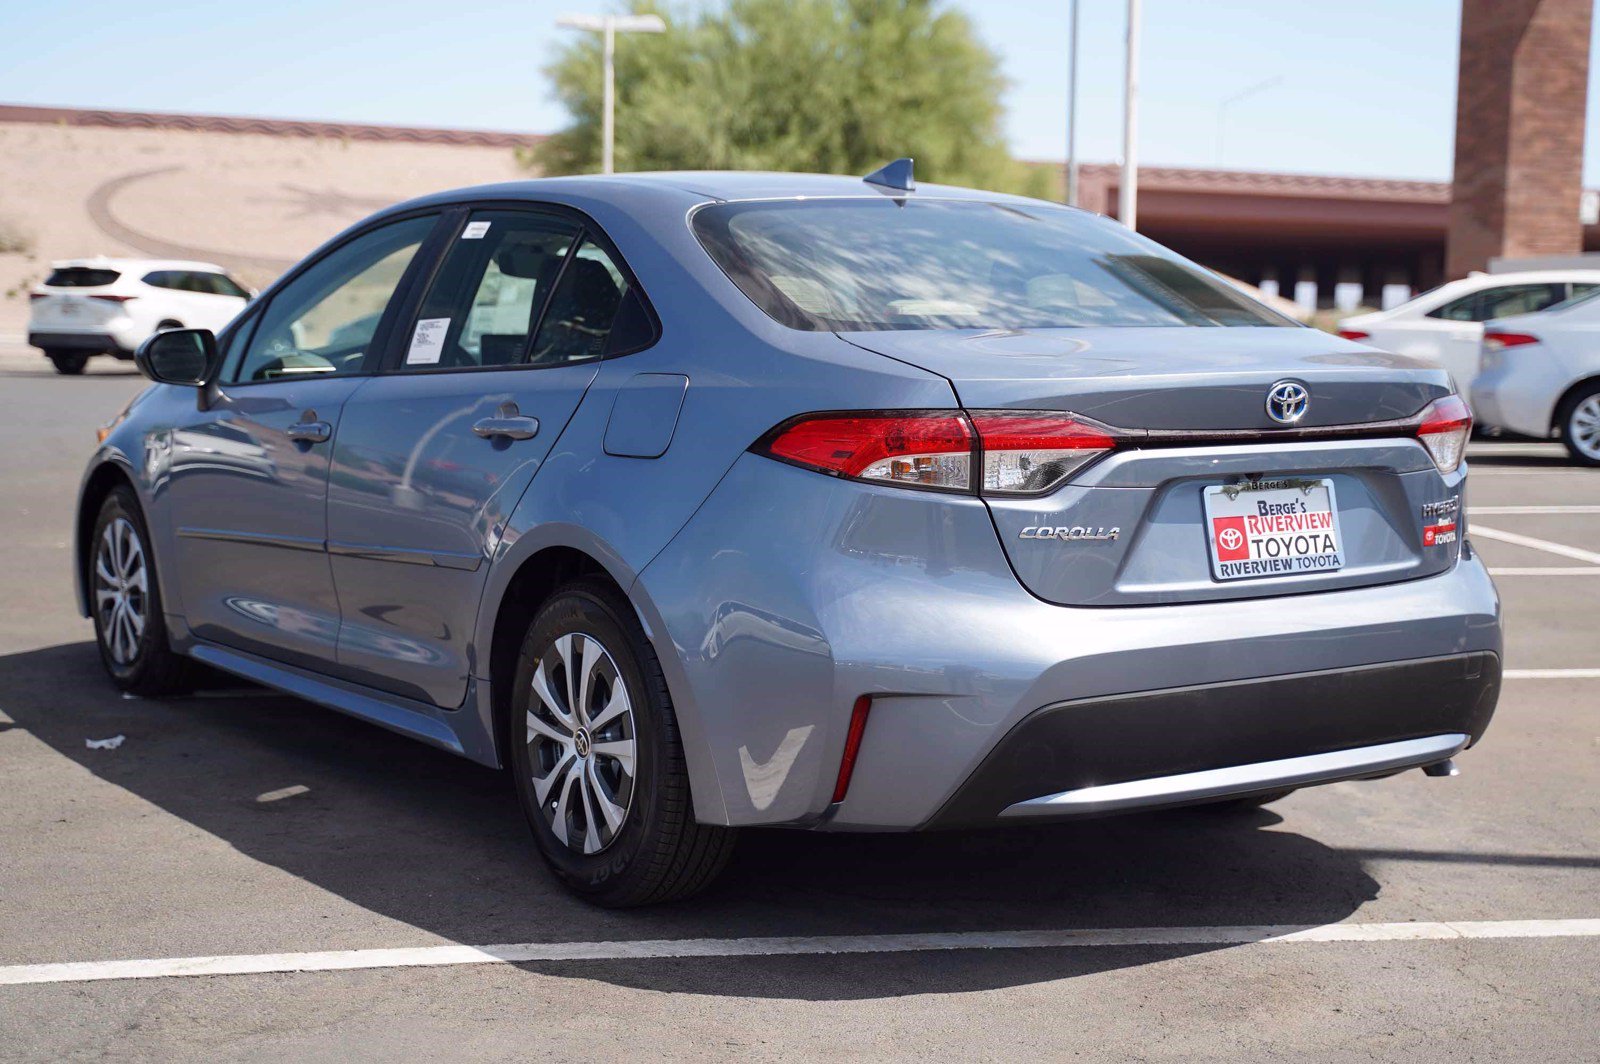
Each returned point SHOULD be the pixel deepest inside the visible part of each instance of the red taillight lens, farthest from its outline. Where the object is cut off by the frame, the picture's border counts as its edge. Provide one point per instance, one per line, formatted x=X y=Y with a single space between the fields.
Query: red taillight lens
x=37 y=295
x=1499 y=341
x=1027 y=453
x=1446 y=424
x=113 y=299
x=1353 y=334
x=931 y=449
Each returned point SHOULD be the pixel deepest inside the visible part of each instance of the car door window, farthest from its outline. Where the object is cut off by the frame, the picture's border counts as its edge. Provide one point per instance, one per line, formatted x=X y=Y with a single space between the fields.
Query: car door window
x=584 y=306
x=323 y=322
x=1500 y=302
x=485 y=301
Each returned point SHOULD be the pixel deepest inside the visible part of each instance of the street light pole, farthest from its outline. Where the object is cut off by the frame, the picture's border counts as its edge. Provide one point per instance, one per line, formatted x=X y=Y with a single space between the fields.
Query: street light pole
x=608 y=26
x=1128 y=189
x=1072 y=110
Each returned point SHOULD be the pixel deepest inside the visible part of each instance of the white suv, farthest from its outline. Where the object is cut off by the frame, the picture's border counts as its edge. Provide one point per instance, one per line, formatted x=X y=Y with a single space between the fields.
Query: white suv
x=1446 y=324
x=97 y=306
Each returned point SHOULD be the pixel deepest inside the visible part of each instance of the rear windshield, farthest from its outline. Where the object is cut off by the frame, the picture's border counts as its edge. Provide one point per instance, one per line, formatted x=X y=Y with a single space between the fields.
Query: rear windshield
x=881 y=263
x=80 y=277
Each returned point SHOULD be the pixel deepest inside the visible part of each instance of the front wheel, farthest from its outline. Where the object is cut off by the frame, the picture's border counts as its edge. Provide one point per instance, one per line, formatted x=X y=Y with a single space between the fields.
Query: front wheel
x=68 y=363
x=599 y=765
x=128 y=623
x=1580 y=426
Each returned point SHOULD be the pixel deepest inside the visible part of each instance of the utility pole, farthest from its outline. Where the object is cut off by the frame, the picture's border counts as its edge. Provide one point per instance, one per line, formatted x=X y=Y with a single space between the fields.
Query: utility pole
x=609 y=26
x=1072 y=109
x=1128 y=190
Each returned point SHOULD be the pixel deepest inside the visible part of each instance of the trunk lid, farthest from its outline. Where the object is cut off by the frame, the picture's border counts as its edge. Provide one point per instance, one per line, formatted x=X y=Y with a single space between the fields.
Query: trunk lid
x=1136 y=527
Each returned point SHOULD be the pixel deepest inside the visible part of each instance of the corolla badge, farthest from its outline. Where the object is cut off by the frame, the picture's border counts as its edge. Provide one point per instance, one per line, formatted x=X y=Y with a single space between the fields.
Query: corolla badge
x=1070 y=533
x=1287 y=402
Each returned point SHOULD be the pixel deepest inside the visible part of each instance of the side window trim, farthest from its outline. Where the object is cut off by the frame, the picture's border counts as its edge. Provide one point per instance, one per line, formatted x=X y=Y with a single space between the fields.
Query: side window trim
x=381 y=336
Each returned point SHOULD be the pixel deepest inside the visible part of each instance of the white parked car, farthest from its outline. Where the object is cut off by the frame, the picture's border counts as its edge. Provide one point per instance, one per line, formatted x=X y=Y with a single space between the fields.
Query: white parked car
x=1541 y=376
x=1446 y=323
x=88 y=307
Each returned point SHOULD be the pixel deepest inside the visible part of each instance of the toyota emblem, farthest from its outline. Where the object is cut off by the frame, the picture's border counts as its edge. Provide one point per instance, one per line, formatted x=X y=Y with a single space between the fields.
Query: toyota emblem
x=1287 y=402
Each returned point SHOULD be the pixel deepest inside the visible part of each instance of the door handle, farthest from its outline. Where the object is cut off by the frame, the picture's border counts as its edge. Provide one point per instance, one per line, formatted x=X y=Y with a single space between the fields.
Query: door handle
x=508 y=423
x=308 y=429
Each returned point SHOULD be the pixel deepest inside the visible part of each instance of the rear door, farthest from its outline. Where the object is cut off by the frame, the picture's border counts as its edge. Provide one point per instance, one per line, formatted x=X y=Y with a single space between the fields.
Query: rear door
x=434 y=453
x=249 y=474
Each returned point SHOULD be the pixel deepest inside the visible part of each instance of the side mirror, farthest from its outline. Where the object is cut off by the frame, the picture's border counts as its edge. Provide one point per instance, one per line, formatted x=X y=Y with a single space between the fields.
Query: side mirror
x=178 y=356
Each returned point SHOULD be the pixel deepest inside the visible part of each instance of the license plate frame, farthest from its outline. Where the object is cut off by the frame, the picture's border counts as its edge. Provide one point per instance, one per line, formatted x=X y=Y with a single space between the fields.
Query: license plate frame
x=1291 y=538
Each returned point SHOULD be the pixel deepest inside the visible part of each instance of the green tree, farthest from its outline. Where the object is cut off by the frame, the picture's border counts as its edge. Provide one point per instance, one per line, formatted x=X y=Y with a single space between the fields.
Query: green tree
x=831 y=86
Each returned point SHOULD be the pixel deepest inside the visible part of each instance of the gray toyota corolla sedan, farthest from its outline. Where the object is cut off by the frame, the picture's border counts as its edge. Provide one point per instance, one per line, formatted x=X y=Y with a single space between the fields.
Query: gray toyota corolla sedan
x=704 y=500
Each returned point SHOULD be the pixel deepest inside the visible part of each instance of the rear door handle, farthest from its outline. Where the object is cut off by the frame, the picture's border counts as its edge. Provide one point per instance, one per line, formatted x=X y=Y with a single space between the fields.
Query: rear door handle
x=508 y=423
x=309 y=430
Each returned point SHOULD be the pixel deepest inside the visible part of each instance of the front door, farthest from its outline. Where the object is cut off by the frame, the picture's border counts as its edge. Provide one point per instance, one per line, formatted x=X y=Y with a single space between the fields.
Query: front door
x=434 y=453
x=248 y=480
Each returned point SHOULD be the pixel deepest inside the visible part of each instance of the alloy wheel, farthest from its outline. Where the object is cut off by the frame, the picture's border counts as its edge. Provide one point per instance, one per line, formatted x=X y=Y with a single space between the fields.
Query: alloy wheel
x=122 y=590
x=581 y=743
x=1583 y=427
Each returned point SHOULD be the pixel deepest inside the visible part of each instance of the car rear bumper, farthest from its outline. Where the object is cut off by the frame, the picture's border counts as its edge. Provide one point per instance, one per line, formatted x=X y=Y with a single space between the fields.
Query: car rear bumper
x=1192 y=744
x=94 y=342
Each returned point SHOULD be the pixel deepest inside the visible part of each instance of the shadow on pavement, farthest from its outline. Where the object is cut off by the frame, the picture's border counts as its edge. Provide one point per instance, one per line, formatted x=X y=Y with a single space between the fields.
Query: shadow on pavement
x=422 y=837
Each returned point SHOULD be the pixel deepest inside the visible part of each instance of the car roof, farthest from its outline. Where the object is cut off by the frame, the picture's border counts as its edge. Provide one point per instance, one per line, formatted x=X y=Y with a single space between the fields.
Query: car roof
x=129 y=265
x=698 y=186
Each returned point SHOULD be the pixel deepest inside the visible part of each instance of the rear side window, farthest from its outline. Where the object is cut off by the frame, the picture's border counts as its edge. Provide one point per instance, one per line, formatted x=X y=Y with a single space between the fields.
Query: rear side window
x=1502 y=302
x=583 y=309
x=882 y=263
x=486 y=299
x=80 y=277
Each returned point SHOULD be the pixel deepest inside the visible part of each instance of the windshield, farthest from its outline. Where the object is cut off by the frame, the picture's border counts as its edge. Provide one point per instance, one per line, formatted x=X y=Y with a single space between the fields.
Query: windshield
x=881 y=263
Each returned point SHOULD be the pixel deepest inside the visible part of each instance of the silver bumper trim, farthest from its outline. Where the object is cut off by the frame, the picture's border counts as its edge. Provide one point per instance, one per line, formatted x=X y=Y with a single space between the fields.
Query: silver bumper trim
x=1244 y=779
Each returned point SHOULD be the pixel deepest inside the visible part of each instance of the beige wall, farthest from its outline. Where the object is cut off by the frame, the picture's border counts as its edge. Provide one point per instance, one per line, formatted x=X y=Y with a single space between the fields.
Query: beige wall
x=253 y=202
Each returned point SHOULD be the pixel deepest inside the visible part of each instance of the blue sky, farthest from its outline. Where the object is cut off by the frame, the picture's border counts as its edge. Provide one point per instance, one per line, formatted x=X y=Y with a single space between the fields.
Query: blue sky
x=1357 y=87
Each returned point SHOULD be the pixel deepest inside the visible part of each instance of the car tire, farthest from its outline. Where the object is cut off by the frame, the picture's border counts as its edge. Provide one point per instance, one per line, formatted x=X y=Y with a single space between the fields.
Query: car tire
x=168 y=323
x=605 y=789
x=68 y=363
x=1579 y=422
x=125 y=601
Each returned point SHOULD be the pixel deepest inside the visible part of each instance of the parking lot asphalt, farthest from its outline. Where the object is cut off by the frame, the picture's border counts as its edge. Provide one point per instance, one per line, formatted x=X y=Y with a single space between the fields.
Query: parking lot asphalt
x=1429 y=919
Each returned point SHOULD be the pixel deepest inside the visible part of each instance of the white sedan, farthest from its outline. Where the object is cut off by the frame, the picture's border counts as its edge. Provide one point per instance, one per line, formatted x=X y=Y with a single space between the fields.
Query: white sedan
x=97 y=306
x=1446 y=324
x=1541 y=376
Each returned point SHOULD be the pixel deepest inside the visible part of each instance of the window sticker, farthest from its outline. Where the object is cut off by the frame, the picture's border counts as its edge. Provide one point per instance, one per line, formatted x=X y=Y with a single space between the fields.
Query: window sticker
x=475 y=231
x=427 y=342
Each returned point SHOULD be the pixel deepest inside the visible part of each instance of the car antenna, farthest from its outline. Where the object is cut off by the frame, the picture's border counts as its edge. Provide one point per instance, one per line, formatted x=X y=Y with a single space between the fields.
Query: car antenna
x=896 y=175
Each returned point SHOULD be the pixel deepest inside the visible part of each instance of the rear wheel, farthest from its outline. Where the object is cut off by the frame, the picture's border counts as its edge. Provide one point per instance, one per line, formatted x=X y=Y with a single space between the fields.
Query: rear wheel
x=1580 y=425
x=68 y=363
x=126 y=600
x=598 y=762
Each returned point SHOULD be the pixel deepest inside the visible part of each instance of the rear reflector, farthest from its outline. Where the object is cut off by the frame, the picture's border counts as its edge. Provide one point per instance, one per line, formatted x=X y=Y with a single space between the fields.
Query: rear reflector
x=852 y=746
x=1446 y=424
x=1353 y=334
x=1499 y=341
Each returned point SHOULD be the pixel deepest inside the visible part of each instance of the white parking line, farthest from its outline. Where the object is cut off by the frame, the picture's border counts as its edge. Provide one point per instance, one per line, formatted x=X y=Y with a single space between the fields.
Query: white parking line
x=1496 y=511
x=1551 y=674
x=1546 y=570
x=1518 y=539
x=652 y=949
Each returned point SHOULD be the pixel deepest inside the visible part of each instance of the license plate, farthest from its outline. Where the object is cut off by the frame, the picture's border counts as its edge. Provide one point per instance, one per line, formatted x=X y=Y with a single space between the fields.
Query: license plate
x=1283 y=527
x=67 y=308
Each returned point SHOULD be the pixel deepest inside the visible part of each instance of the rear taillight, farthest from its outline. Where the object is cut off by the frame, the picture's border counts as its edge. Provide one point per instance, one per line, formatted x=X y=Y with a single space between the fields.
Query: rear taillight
x=1446 y=424
x=113 y=299
x=1027 y=453
x=1015 y=452
x=37 y=295
x=1499 y=341
x=1354 y=334
x=924 y=449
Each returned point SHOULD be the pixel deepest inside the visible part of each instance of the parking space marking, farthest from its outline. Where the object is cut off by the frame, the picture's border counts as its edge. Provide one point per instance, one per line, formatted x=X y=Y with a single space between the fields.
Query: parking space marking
x=1549 y=547
x=1496 y=511
x=654 y=949
x=1550 y=674
x=1546 y=570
